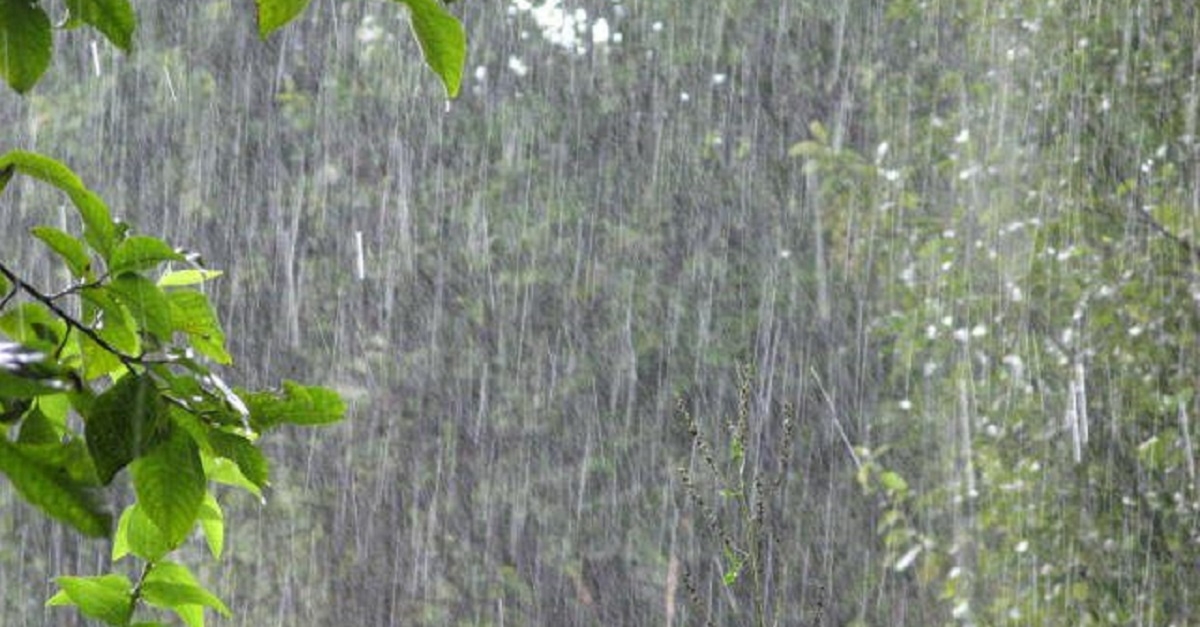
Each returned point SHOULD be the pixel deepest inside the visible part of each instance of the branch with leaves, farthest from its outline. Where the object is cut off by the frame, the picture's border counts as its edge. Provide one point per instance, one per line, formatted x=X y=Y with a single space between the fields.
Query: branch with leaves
x=113 y=371
x=126 y=383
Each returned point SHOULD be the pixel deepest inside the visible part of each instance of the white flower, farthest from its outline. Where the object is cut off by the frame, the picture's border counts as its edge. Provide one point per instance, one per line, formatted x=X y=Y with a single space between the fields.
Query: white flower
x=517 y=66
x=600 y=32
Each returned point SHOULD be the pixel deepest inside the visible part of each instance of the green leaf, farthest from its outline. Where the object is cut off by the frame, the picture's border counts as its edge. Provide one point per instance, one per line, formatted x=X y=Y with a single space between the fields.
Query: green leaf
x=36 y=428
x=108 y=598
x=140 y=253
x=736 y=450
x=179 y=278
x=67 y=459
x=67 y=246
x=97 y=360
x=54 y=493
x=196 y=427
x=114 y=324
x=99 y=229
x=33 y=325
x=123 y=424
x=171 y=586
x=147 y=304
x=212 y=521
x=192 y=314
x=169 y=482
x=25 y=43
x=298 y=405
x=226 y=472
x=893 y=482
x=443 y=41
x=249 y=459
x=138 y=535
x=273 y=14
x=120 y=538
x=114 y=18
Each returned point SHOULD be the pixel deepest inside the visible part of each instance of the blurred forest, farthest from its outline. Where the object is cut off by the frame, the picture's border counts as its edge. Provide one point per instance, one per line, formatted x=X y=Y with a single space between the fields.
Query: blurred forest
x=860 y=312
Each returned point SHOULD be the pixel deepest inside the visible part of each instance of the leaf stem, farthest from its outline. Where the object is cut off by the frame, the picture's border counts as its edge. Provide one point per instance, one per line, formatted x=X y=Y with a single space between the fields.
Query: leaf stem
x=136 y=594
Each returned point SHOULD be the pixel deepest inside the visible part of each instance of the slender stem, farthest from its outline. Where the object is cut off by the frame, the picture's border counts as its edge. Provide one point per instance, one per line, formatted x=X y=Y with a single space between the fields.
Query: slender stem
x=136 y=595
x=48 y=301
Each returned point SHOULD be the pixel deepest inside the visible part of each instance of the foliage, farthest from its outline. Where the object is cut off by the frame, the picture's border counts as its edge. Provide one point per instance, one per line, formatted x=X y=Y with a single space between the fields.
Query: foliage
x=743 y=516
x=109 y=372
x=540 y=286
x=25 y=30
x=1044 y=341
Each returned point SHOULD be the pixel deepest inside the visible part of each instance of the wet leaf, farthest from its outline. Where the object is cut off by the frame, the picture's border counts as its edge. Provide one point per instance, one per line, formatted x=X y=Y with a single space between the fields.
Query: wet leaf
x=148 y=306
x=192 y=314
x=53 y=491
x=297 y=405
x=140 y=253
x=67 y=246
x=123 y=424
x=443 y=41
x=25 y=31
x=138 y=535
x=212 y=521
x=249 y=459
x=114 y=18
x=171 y=586
x=273 y=14
x=99 y=230
x=179 y=278
x=107 y=598
x=170 y=486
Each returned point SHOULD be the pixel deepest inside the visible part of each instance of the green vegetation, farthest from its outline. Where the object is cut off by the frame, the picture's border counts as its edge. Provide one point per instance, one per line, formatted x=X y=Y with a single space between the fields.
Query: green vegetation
x=26 y=31
x=908 y=289
x=111 y=370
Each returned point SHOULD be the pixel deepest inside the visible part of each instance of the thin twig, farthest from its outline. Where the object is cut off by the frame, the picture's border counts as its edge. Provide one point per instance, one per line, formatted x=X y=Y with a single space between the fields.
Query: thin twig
x=48 y=301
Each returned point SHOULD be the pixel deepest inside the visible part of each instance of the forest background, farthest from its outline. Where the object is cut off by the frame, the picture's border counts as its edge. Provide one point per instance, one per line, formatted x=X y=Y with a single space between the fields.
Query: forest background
x=916 y=277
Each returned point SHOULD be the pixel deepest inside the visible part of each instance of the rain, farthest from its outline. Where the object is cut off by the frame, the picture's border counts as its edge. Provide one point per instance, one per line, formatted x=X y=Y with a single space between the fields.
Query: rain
x=855 y=312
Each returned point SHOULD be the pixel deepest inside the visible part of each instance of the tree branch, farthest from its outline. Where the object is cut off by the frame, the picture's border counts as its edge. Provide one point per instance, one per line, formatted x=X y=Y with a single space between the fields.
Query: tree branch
x=48 y=301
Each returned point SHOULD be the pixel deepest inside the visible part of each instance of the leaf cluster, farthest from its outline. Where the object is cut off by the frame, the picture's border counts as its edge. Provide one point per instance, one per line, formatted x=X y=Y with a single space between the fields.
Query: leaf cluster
x=115 y=371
